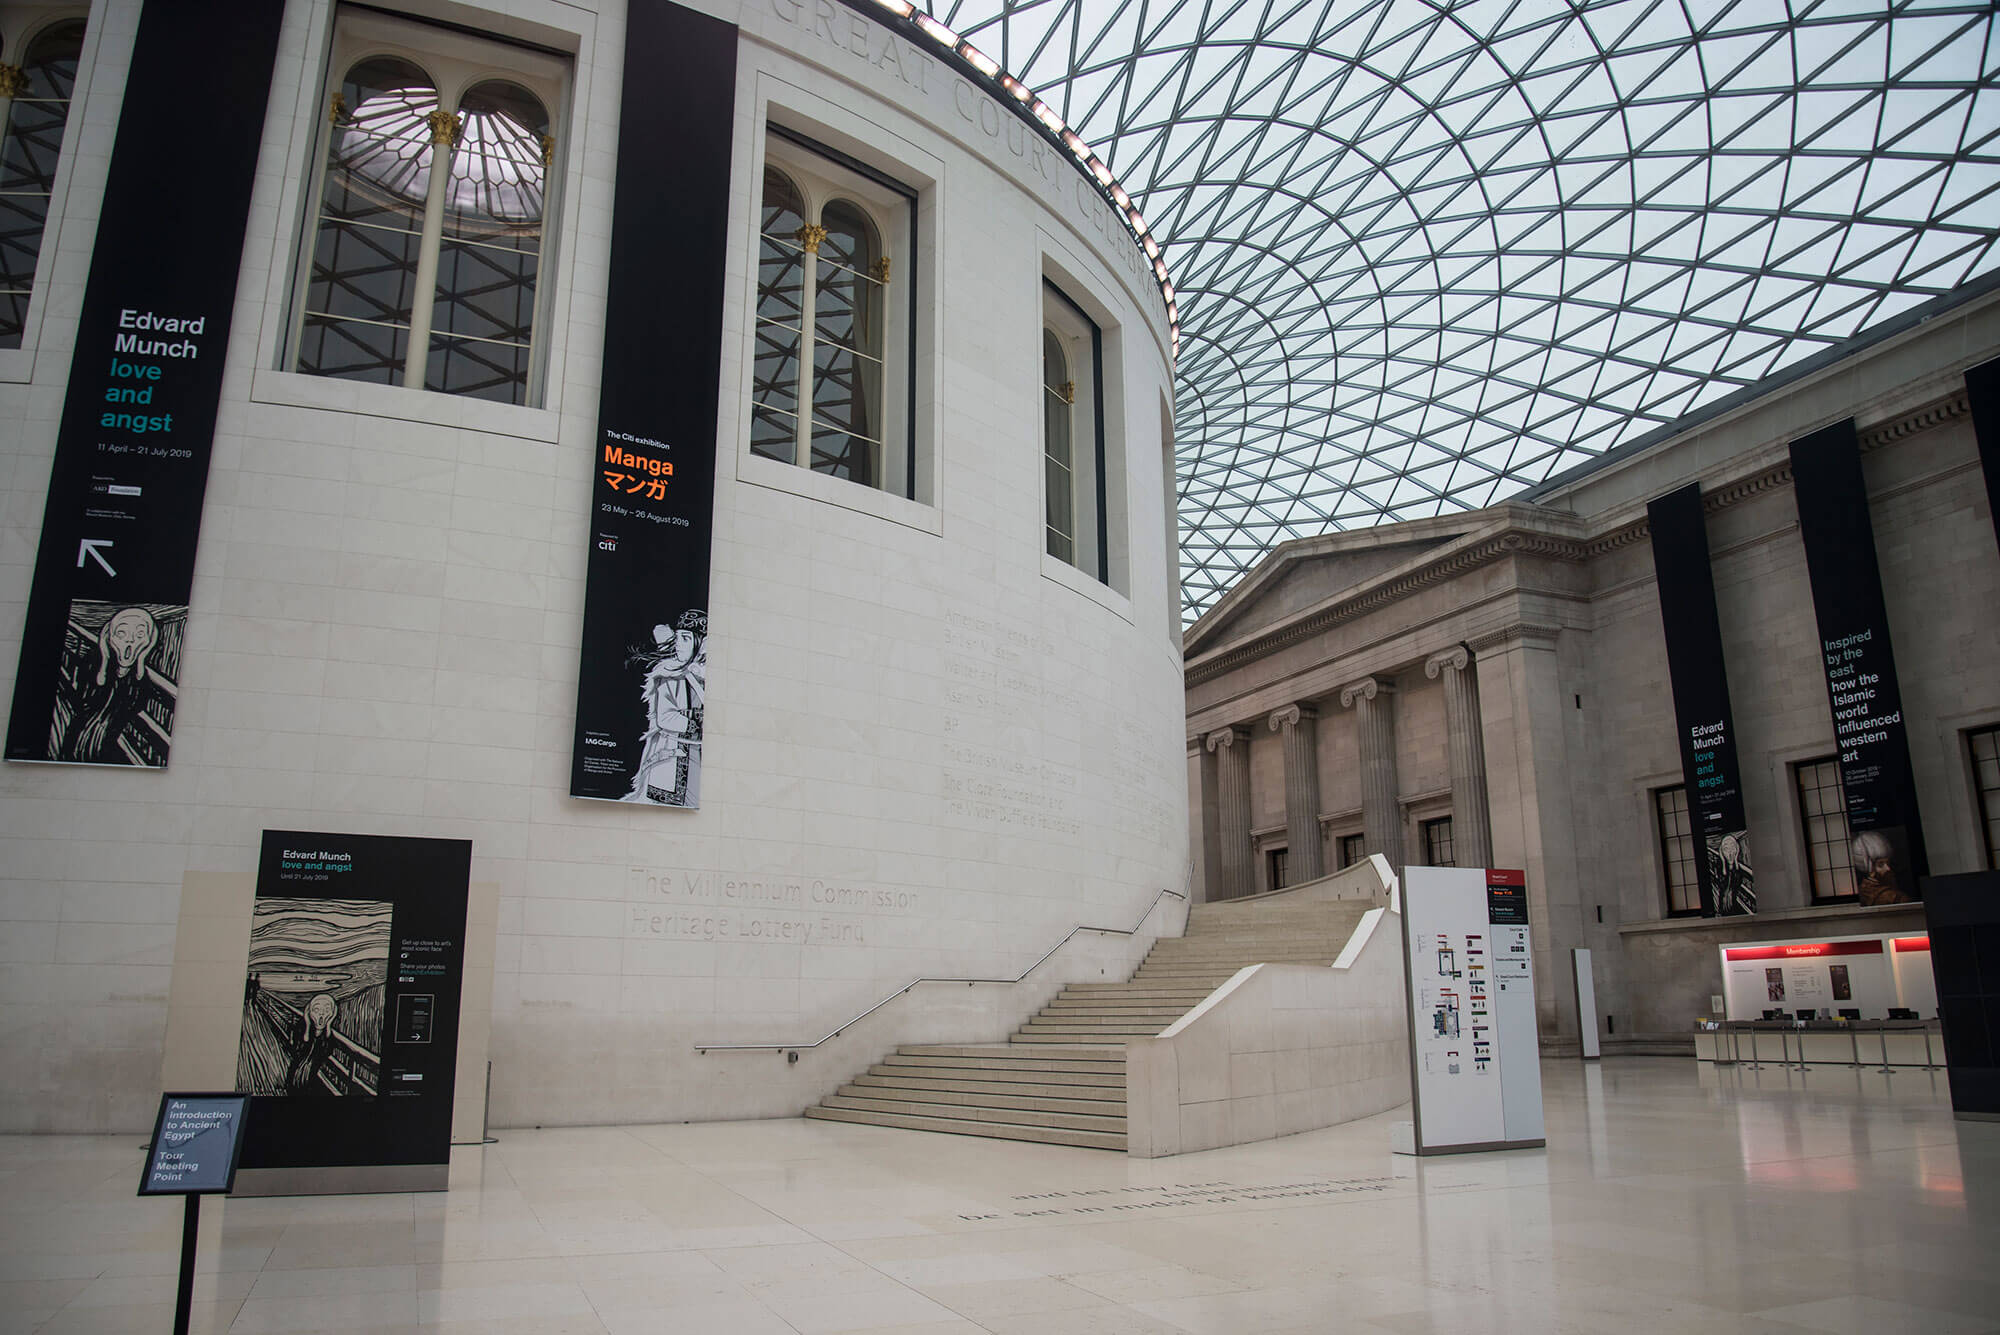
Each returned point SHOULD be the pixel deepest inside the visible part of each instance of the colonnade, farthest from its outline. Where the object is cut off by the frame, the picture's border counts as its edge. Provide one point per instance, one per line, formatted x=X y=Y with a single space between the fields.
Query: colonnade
x=1229 y=869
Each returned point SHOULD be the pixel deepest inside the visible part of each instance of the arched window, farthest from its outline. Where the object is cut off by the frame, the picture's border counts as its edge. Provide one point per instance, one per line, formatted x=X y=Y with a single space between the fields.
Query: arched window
x=1058 y=449
x=825 y=382
x=433 y=197
x=34 y=112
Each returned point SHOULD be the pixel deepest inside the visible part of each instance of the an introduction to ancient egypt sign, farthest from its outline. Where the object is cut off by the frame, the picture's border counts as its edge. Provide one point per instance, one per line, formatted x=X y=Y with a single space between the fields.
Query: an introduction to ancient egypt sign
x=101 y=652
x=643 y=670
x=1874 y=751
x=197 y=1139
x=1703 y=723
x=349 y=1037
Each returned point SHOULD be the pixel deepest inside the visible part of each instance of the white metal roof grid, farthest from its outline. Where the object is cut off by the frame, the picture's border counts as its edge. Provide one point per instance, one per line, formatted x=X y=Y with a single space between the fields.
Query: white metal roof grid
x=1430 y=252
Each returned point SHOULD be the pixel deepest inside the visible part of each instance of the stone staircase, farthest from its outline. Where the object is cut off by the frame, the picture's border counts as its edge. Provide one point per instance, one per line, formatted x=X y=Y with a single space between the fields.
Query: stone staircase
x=1061 y=1078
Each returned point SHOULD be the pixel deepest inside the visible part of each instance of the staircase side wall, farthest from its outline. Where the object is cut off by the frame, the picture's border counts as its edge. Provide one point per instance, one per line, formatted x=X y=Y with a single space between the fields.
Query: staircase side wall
x=1278 y=1049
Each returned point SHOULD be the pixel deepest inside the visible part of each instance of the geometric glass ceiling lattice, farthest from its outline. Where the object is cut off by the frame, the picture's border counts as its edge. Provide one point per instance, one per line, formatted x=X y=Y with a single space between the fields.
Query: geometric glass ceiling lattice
x=1429 y=253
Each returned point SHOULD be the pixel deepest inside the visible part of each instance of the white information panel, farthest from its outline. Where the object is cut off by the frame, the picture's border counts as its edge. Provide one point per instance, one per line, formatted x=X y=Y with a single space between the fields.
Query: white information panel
x=1474 y=1050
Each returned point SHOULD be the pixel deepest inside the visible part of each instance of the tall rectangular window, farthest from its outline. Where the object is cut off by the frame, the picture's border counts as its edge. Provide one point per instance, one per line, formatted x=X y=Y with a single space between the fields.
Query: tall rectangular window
x=1823 y=821
x=433 y=192
x=1353 y=848
x=1677 y=851
x=1276 y=864
x=1075 y=530
x=36 y=83
x=1986 y=789
x=1437 y=842
x=831 y=385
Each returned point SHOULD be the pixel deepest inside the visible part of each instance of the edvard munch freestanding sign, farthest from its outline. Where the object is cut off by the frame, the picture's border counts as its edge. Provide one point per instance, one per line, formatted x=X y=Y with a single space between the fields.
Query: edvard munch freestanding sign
x=642 y=672
x=101 y=652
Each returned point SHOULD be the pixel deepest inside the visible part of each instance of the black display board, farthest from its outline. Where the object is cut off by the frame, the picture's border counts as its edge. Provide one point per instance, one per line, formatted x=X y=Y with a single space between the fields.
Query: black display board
x=643 y=666
x=197 y=1139
x=1982 y=386
x=1964 y=917
x=352 y=937
x=101 y=651
x=1702 y=718
x=1860 y=666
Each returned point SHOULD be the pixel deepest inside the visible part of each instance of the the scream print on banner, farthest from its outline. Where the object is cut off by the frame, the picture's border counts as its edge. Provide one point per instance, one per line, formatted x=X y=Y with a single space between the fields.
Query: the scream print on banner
x=1707 y=729
x=312 y=997
x=120 y=680
x=101 y=649
x=1860 y=666
x=642 y=672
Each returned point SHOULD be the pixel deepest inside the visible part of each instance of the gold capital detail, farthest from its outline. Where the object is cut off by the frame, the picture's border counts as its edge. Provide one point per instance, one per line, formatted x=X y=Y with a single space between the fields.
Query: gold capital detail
x=882 y=271
x=1068 y=391
x=13 y=82
x=810 y=236
x=445 y=127
x=548 y=149
x=336 y=109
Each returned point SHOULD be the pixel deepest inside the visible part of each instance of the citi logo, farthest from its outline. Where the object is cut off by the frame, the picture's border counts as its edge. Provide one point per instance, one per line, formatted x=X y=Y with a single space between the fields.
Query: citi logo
x=606 y=543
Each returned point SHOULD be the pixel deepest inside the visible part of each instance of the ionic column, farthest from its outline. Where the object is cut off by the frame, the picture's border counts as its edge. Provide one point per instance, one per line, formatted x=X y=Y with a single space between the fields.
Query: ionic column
x=1231 y=746
x=1299 y=725
x=1375 y=726
x=1471 y=837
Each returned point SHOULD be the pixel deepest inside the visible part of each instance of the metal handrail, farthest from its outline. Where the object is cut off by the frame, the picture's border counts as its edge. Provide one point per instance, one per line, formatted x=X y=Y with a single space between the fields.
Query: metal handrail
x=839 y=1030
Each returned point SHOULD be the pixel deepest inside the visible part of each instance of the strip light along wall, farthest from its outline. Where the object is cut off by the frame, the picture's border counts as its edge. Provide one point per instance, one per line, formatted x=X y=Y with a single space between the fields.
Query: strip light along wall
x=918 y=26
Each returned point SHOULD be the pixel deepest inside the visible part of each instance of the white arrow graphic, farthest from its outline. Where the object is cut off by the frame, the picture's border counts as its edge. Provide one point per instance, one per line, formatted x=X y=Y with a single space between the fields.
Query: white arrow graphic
x=89 y=547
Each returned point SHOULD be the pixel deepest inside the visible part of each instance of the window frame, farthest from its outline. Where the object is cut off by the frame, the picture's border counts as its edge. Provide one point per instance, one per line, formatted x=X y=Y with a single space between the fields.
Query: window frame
x=1985 y=799
x=1841 y=864
x=1666 y=840
x=1427 y=832
x=1090 y=530
x=457 y=60
x=892 y=206
x=1340 y=842
x=20 y=28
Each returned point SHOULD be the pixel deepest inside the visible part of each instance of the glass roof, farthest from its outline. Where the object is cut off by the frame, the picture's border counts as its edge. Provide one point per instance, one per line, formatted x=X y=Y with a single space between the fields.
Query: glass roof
x=1429 y=253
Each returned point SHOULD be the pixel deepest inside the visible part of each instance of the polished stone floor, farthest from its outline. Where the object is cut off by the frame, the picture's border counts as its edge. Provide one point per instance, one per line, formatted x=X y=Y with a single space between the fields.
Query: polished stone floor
x=1760 y=1201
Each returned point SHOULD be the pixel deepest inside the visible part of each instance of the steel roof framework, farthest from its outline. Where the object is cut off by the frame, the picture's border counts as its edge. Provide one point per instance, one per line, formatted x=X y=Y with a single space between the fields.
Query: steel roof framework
x=1429 y=253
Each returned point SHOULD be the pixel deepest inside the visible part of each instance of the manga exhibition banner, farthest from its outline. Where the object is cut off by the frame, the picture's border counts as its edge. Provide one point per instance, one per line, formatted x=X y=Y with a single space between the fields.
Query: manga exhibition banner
x=643 y=666
x=1702 y=717
x=101 y=651
x=349 y=1036
x=1860 y=665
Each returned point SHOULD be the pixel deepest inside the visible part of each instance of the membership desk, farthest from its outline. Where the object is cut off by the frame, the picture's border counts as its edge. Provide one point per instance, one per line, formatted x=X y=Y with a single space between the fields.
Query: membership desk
x=1843 y=1001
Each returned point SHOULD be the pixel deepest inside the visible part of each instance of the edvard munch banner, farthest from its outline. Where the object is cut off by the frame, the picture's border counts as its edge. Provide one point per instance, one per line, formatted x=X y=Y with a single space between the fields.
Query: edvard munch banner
x=100 y=667
x=643 y=668
x=1887 y=847
x=1706 y=728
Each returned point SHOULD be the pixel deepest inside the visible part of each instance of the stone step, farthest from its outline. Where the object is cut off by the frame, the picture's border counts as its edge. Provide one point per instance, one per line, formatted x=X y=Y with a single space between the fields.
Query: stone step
x=1046 y=1135
x=1102 y=1010
x=1111 y=1013
x=1113 y=1078
x=1100 y=1097
x=999 y=1116
x=1096 y=1033
x=1000 y=1052
x=1038 y=1037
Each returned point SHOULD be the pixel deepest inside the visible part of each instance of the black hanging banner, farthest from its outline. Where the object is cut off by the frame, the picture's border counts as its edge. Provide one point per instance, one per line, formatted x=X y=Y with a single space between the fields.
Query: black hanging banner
x=1888 y=840
x=101 y=651
x=1982 y=386
x=1706 y=728
x=643 y=666
x=349 y=1038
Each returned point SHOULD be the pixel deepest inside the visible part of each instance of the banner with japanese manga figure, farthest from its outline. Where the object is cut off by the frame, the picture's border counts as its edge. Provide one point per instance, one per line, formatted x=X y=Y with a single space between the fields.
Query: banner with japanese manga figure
x=643 y=668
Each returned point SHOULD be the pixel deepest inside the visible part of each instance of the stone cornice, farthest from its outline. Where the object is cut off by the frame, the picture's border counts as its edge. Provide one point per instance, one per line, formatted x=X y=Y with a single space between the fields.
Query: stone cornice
x=1936 y=413
x=1449 y=563
x=1510 y=533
